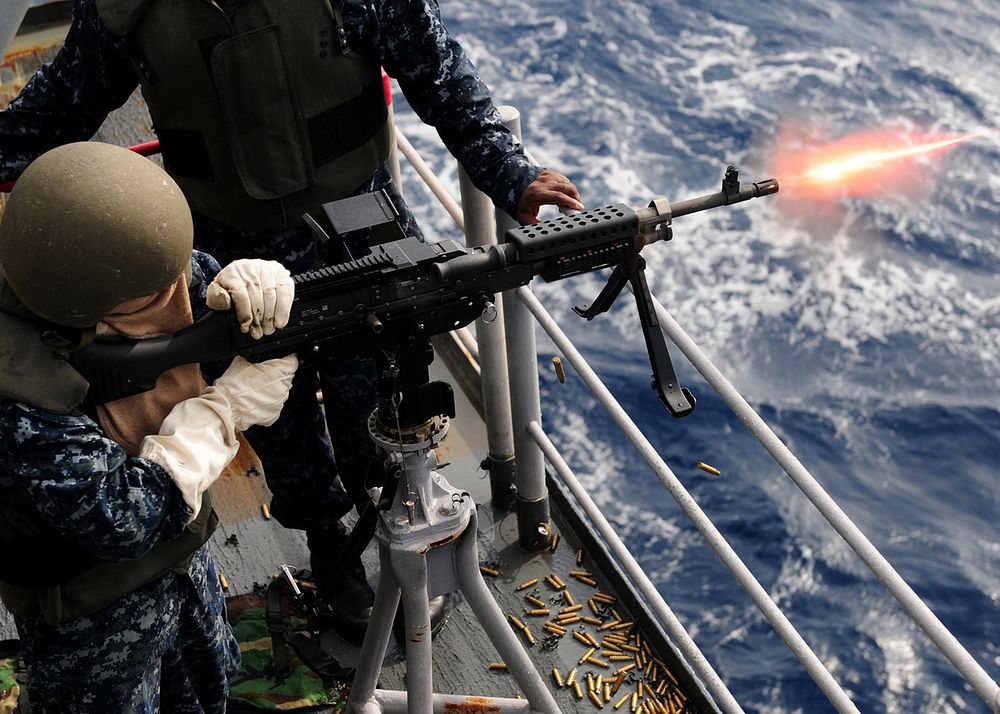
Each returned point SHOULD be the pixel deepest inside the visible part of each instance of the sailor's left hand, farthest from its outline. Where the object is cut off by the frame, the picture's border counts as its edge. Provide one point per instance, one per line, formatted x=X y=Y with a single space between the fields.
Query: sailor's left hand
x=261 y=291
x=551 y=188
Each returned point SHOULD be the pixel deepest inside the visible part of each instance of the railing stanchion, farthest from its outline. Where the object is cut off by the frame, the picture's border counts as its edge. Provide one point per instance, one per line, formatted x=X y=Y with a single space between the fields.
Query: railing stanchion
x=533 y=522
x=480 y=230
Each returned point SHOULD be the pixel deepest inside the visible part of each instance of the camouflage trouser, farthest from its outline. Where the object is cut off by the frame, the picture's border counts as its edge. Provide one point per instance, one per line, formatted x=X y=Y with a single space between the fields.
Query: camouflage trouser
x=296 y=453
x=164 y=646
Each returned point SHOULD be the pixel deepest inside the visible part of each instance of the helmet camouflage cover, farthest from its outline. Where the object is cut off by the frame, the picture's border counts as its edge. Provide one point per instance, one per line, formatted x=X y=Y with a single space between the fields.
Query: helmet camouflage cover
x=89 y=226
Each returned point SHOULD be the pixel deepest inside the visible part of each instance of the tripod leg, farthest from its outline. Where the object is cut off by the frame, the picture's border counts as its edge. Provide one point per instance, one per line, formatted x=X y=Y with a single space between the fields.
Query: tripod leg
x=491 y=618
x=376 y=638
x=412 y=569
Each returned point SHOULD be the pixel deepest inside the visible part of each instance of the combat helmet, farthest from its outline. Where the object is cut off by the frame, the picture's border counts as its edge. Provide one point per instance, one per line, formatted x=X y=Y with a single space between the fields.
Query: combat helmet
x=88 y=226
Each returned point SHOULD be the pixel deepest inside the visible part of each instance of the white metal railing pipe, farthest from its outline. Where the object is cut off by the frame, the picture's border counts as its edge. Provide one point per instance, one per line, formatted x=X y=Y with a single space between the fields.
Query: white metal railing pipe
x=533 y=520
x=481 y=230
x=922 y=615
x=11 y=14
x=622 y=557
x=432 y=181
x=798 y=646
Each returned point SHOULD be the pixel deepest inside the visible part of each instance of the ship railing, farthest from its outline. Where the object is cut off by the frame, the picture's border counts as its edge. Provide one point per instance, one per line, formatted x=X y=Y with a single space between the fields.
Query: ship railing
x=507 y=356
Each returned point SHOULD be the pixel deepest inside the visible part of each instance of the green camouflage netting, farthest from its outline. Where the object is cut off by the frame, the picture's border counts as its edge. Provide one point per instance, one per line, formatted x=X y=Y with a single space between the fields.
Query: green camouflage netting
x=257 y=687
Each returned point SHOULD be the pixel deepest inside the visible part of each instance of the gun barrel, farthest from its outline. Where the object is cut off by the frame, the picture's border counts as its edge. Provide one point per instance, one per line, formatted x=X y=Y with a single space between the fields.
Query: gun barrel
x=724 y=198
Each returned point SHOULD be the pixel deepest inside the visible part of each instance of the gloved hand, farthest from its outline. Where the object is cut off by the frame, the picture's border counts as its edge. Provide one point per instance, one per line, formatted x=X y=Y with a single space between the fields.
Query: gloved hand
x=261 y=290
x=198 y=437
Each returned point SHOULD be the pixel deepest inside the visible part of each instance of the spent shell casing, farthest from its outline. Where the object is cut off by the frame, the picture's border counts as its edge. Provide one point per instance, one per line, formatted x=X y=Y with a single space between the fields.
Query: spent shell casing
x=498 y=666
x=579 y=555
x=578 y=690
x=527 y=584
x=528 y=636
x=571 y=677
x=582 y=637
x=516 y=622
x=568 y=619
x=597 y=662
x=539 y=612
x=560 y=371
x=534 y=601
x=570 y=609
x=595 y=699
x=621 y=702
x=586 y=581
x=708 y=469
x=265 y=511
x=591 y=620
x=568 y=597
x=489 y=571
x=554 y=629
x=586 y=656
x=223 y=581
x=557 y=677
x=555 y=543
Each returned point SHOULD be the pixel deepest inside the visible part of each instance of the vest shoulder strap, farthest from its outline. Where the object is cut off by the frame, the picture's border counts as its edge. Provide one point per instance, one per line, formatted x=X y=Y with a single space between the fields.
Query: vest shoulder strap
x=121 y=16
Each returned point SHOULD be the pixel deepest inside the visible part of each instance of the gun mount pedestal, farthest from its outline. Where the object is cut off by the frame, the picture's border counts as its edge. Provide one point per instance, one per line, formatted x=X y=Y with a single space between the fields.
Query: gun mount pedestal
x=427 y=547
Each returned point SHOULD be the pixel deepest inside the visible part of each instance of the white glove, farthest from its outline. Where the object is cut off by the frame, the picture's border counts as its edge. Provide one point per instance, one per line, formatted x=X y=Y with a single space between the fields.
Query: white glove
x=198 y=438
x=261 y=290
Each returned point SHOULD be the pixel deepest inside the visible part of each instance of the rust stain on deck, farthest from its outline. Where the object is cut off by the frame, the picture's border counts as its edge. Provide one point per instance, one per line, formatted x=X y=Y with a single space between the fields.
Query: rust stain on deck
x=241 y=489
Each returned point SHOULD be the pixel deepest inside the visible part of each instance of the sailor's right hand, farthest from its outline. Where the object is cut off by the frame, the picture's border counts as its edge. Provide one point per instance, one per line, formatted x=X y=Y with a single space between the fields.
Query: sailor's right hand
x=261 y=291
x=257 y=391
x=198 y=437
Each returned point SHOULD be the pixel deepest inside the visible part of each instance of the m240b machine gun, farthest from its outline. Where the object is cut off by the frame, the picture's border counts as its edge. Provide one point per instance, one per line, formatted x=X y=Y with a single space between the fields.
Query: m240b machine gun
x=406 y=291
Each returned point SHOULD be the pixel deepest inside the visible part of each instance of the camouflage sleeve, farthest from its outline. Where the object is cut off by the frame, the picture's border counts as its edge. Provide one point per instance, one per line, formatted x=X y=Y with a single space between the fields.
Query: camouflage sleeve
x=204 y=268
x=442 y=85
x=67 y=99
x=83 y=484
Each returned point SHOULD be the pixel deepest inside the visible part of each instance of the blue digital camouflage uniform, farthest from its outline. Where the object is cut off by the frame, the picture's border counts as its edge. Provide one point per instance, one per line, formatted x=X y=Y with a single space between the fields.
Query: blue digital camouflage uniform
x=166 y=645
x=68 y=100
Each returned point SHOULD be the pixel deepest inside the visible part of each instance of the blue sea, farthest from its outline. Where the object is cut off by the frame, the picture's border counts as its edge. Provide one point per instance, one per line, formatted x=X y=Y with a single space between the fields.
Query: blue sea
x=867 y=334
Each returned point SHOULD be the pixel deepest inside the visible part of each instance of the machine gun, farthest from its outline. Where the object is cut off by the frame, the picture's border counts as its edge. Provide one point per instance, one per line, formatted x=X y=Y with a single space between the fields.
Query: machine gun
x=406 y=291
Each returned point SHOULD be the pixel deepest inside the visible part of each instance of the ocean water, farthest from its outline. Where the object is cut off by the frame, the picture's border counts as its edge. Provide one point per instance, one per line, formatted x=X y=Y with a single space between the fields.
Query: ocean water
x=867 y=332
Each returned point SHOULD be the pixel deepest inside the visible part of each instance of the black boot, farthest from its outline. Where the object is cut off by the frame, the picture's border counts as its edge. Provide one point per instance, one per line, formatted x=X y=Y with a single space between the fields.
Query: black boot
x=440 y=608
x=346 y=608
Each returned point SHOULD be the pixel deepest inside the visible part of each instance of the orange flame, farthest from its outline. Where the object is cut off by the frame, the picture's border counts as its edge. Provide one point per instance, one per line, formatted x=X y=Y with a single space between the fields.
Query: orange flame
x=860 y=164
